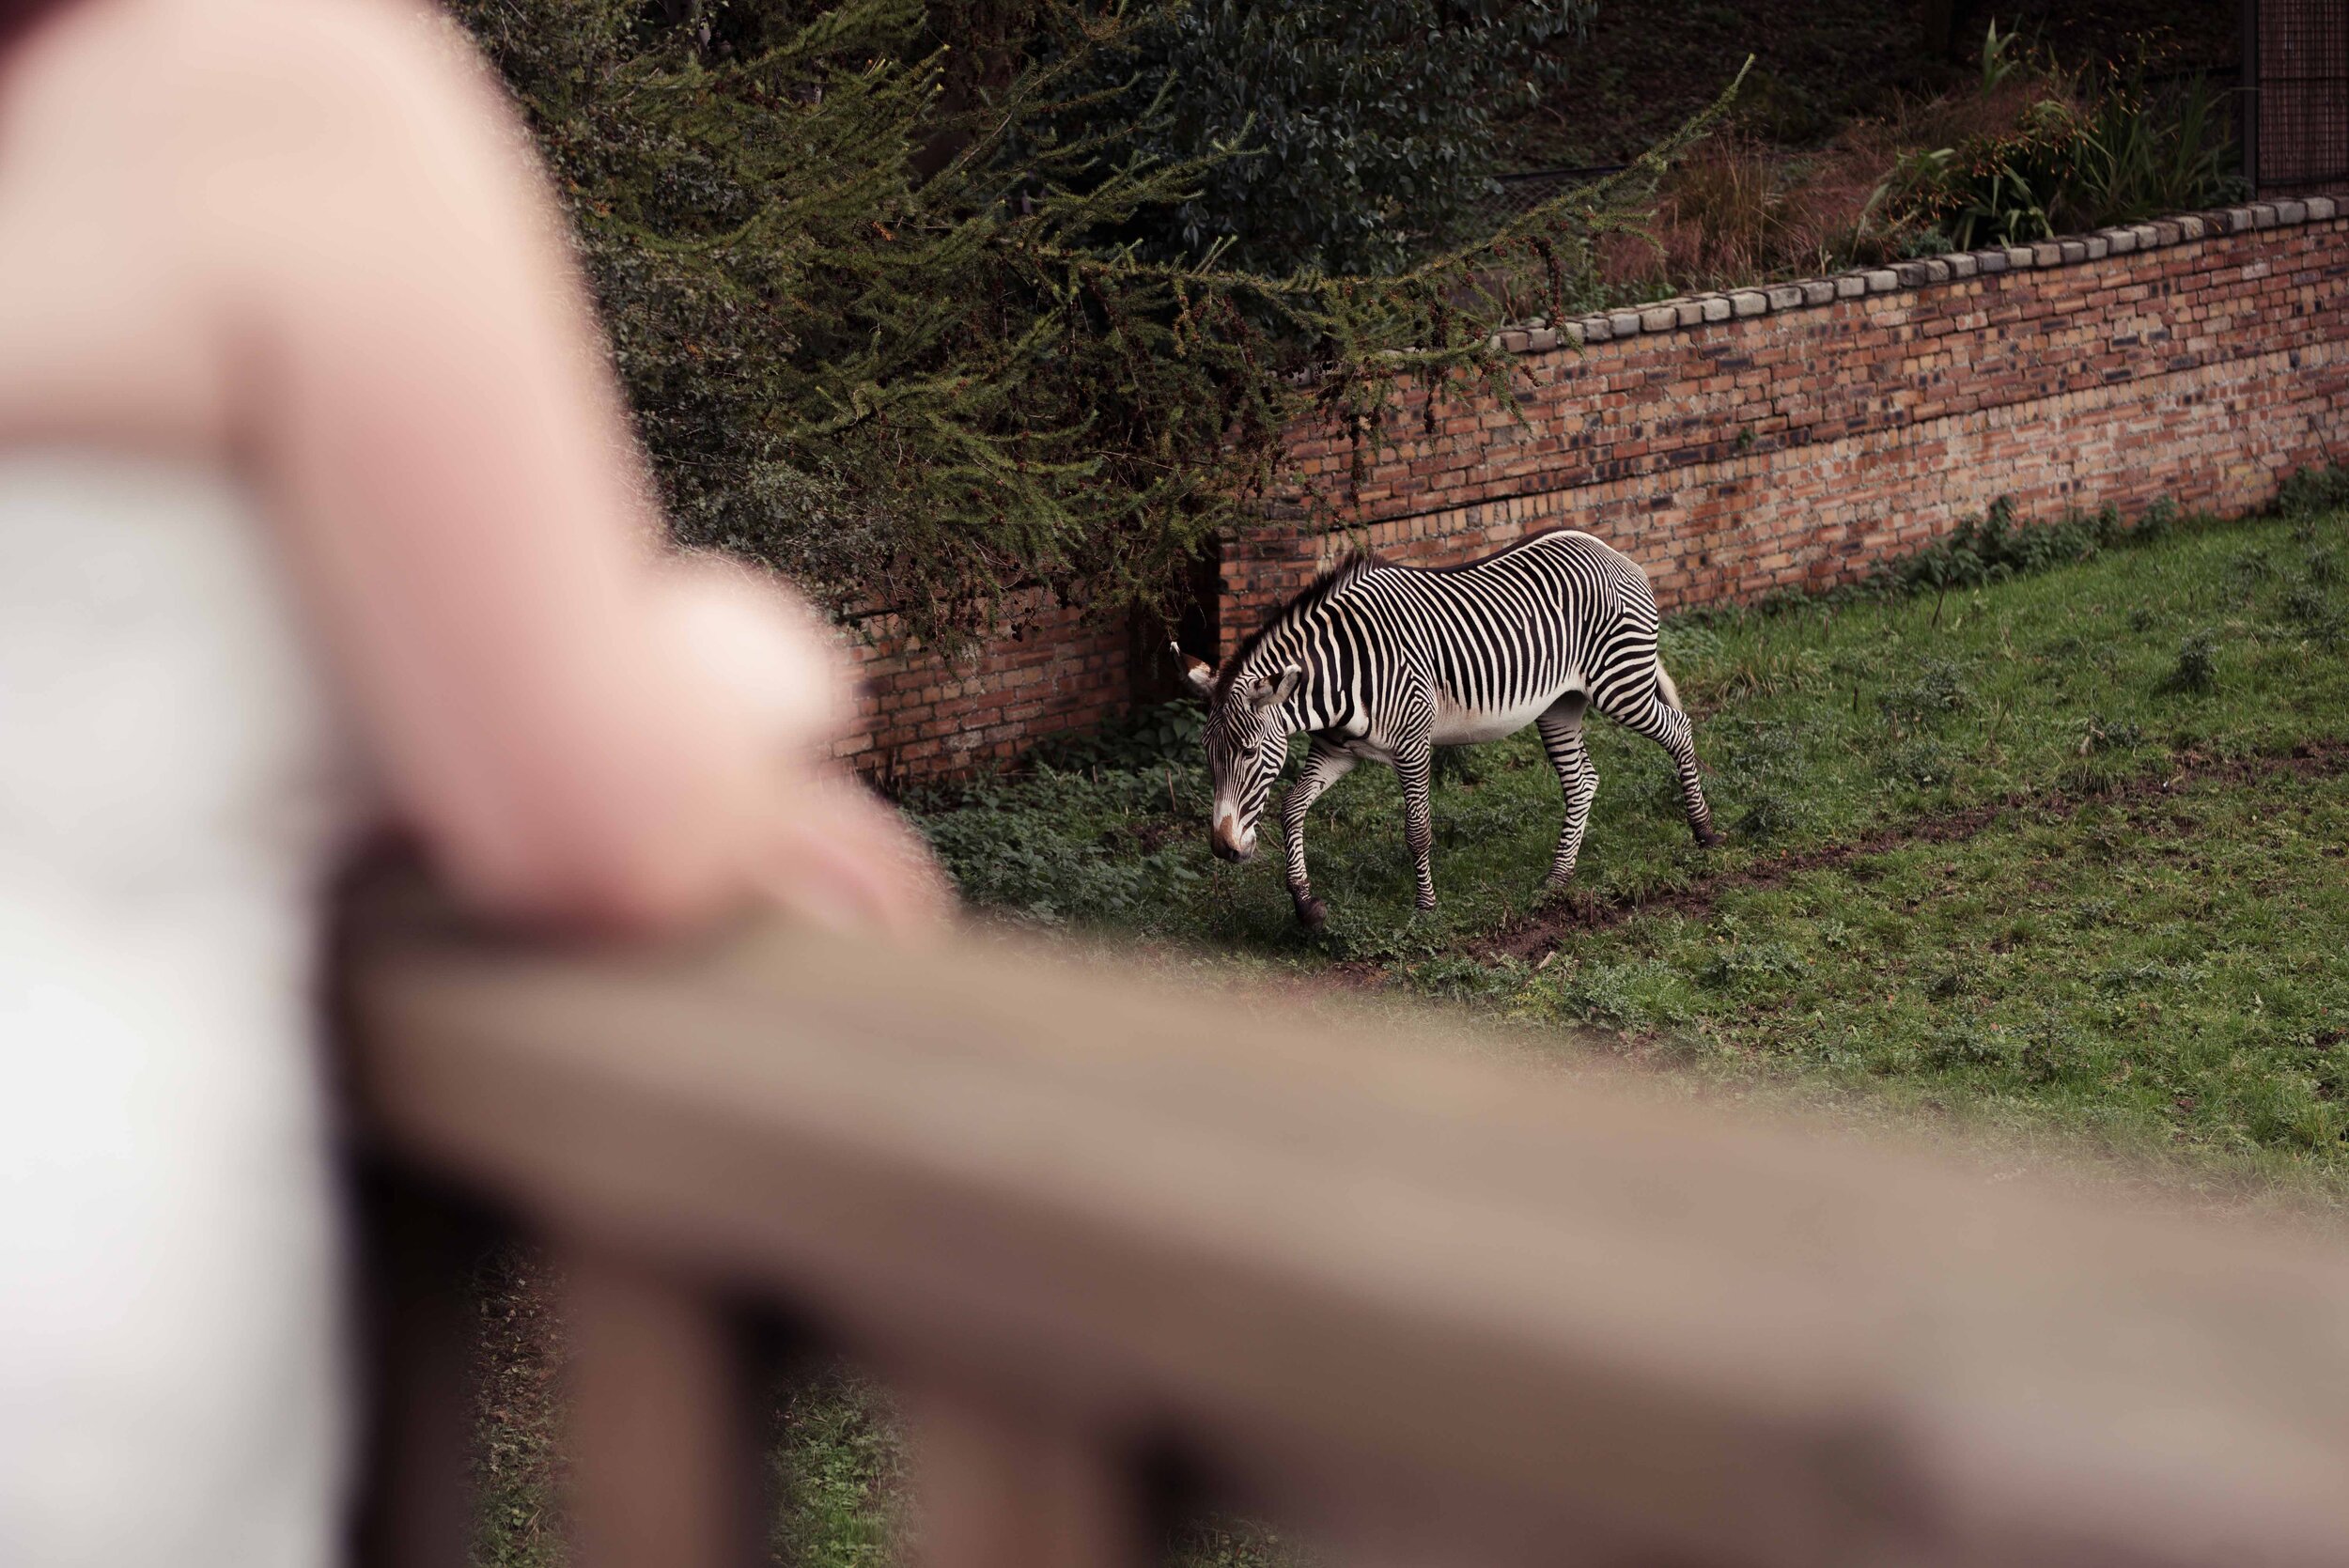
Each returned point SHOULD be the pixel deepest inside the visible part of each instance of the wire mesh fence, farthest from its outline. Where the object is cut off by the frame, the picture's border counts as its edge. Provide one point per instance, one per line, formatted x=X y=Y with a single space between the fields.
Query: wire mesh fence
x=2295 y=57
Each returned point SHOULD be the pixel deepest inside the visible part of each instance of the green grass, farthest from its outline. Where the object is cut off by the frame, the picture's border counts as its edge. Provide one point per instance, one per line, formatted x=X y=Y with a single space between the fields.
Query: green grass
x=2155 y=970
x=2019 y=843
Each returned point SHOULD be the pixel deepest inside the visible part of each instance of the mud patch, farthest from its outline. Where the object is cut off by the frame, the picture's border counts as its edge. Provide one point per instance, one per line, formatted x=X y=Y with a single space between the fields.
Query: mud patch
x=1531 y=936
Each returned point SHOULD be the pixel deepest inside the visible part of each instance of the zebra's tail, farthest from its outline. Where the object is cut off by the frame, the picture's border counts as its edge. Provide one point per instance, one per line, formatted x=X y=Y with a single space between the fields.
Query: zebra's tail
x=1671 y=692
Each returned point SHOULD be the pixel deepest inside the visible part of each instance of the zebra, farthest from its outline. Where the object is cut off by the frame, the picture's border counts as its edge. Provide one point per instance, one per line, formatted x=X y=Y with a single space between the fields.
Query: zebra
x=1381 y=663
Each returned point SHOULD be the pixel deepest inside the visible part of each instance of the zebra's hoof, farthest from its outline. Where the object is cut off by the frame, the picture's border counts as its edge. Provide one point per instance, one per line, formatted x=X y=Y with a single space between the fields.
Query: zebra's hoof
x=1707 y=838
x=1312 y=914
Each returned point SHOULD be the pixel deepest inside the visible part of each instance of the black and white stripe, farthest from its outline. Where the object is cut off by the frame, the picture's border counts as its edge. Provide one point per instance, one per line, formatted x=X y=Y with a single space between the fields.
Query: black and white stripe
x=1384 y=664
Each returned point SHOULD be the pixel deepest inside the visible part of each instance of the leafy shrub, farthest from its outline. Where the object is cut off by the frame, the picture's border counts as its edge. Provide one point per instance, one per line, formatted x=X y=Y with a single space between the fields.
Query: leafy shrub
x=2100 y=734
x=2308 y=605
x=886 y=329
x=1920 y=760
x=2197 y=669
x=1016 y=847
x=1741 y=964
x=2152 y=149
x=1365 y=128
x=1937 y=689
x=1995 y=547
x=2048 y=151
x=2250 y=568
x=1972 y=1043
x=2314 y=490
x=1631 y=996
x=1148 y=738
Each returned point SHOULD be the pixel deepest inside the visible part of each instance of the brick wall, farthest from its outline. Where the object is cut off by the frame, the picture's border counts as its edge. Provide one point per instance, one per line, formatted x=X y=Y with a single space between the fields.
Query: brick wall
x=1793 y=437
x=1783 y=438
x=925 y=715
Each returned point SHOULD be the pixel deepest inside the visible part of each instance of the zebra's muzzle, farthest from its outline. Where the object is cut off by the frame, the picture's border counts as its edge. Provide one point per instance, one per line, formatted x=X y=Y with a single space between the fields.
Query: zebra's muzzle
x=1229 y=842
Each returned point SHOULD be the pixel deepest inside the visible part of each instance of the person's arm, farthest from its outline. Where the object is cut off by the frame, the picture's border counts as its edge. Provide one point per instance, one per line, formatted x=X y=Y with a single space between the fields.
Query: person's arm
x=418 y=387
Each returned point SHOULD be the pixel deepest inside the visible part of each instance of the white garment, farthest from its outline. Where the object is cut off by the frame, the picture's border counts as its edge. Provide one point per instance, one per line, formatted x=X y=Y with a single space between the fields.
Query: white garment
x=173 y=791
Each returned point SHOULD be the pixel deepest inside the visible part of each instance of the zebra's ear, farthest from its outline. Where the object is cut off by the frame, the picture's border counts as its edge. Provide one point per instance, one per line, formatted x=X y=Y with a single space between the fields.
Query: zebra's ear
x=1272 y=693
x=1198 y=672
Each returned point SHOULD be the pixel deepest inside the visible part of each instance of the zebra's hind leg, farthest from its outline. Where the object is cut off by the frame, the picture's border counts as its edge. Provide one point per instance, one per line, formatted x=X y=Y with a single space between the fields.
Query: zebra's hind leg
x=1415 y=767
x=1664 y=722
x=1561 y=728
x=1325 y=765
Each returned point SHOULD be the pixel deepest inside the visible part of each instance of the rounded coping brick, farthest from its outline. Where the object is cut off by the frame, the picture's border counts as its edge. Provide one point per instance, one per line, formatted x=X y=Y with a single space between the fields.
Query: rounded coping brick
x=1535 y=336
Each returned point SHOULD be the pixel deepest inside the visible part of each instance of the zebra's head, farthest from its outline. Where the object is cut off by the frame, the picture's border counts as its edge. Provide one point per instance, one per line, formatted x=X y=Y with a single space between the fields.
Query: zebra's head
x=1247 y=741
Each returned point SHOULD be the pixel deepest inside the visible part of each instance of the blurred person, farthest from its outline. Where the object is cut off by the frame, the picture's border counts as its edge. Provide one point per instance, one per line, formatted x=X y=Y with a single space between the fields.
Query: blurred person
x=318 y=508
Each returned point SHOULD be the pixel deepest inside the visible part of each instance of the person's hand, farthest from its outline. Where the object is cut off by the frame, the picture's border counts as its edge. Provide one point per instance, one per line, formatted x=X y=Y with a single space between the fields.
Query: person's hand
x=836 y=854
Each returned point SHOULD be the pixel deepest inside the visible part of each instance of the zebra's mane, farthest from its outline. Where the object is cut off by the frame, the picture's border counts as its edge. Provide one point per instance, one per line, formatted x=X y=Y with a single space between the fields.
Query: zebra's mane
x=1331 y=583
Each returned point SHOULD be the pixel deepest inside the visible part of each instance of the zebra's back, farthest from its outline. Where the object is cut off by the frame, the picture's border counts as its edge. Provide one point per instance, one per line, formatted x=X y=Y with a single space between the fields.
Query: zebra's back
x=1501 y=639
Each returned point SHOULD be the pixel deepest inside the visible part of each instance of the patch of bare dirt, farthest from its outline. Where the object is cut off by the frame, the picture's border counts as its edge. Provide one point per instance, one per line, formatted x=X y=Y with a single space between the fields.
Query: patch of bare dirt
x=1533 y=935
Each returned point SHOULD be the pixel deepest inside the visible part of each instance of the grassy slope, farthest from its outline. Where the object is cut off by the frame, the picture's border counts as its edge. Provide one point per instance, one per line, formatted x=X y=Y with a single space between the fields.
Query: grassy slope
x=2066 y=945
x=1956 y=884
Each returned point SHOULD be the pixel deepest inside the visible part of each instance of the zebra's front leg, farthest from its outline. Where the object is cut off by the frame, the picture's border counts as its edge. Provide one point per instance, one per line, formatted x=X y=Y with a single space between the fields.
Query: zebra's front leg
x=1415 y=766
x=1325 y=765
x=1560 y=729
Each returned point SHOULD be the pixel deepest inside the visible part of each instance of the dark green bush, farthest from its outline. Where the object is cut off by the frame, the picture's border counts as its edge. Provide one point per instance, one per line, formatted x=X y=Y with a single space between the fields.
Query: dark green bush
x=895 y=329
x=2197 y=669
x=2313 y=490
x=1366 y=127
x=2047 y=151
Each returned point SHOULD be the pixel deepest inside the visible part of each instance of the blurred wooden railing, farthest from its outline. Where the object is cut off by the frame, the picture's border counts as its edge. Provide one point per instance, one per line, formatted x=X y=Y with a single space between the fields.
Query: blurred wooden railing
x=1126 y=1245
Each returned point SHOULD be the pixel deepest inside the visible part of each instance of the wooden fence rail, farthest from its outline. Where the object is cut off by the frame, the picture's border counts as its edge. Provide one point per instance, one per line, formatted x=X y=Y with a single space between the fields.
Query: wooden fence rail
x=1117 y=1237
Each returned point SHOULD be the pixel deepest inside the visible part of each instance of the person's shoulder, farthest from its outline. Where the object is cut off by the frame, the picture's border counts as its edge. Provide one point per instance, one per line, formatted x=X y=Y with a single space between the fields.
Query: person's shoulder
x=176 y=49
x=330 y=63
x=216 y=80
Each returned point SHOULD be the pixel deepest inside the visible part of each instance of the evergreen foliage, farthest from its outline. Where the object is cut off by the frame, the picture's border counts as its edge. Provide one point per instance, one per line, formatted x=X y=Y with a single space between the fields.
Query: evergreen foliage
x=901 y=342
x=1366 y=127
